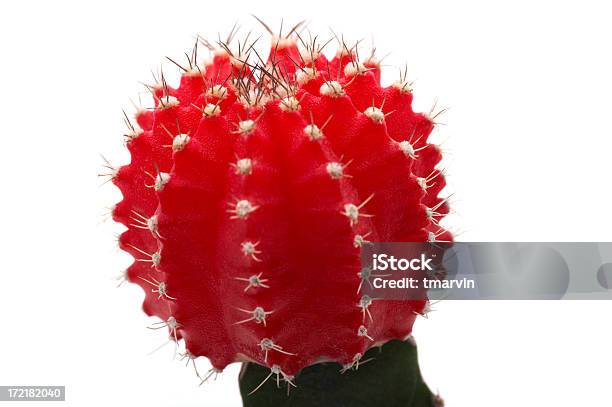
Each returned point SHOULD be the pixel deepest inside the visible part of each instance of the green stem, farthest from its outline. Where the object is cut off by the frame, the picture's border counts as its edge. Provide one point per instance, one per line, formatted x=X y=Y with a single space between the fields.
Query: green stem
x=391 y=379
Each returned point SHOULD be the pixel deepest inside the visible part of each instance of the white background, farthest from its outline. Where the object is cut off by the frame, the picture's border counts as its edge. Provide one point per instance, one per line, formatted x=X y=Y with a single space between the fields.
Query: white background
x=528 y=141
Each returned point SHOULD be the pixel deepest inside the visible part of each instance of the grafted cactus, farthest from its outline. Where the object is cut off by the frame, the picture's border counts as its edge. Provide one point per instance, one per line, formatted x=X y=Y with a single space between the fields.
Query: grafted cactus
x=251 y=190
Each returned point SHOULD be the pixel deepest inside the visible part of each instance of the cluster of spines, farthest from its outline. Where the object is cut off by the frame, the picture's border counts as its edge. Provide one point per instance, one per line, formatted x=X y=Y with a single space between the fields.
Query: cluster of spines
x=186 y=135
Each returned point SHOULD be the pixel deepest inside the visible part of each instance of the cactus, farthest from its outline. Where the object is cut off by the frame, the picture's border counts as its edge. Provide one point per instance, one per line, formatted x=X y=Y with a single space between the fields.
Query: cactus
x=251 y=189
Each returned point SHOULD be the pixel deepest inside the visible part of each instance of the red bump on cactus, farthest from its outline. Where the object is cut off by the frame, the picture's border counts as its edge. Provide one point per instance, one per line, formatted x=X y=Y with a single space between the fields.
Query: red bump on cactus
x=250 y=191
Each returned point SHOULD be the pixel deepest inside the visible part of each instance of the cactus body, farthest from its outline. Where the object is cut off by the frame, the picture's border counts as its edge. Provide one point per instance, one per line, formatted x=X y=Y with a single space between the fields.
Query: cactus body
x=249 y=194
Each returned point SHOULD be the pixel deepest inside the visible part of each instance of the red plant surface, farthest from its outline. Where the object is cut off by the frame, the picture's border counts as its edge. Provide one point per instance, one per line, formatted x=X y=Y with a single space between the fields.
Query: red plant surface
x=250 y=191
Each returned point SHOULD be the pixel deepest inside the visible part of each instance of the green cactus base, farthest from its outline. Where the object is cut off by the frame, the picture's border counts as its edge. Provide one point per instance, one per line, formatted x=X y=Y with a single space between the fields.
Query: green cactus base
x=391 y=379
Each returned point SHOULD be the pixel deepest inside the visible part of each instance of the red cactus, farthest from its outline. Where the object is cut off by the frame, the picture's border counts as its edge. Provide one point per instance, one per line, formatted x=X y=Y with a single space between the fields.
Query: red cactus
x=250 y=191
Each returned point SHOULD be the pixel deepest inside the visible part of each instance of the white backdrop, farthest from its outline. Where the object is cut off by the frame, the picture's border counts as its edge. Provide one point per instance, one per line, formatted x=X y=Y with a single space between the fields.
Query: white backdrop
x=528 y=138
